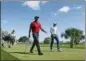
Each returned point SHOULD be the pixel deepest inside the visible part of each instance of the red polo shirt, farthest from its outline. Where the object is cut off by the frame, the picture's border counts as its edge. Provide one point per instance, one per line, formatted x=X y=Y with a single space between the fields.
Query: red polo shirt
x=35 y=26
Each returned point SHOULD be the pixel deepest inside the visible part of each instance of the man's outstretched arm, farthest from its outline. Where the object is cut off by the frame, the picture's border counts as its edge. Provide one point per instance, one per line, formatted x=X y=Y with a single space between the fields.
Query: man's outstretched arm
x=43 y=30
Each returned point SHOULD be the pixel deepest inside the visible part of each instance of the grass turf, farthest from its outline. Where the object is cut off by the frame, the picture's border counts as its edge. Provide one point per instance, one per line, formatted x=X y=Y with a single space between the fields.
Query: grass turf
x=18 y=53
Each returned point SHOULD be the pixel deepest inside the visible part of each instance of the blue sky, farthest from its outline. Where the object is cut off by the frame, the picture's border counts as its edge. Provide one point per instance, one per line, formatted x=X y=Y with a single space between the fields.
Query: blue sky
x=18 y=15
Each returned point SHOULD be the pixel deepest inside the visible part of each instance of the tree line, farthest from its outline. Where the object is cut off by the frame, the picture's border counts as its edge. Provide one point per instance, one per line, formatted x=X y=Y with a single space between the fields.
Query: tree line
x=75 y=36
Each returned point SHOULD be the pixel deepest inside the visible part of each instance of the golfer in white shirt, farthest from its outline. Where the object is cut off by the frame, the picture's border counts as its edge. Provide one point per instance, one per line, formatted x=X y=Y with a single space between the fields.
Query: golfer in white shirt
x=53 y=31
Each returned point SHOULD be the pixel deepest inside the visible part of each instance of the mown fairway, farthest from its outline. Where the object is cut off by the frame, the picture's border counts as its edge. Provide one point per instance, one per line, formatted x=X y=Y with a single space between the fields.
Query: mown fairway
x=17 y=52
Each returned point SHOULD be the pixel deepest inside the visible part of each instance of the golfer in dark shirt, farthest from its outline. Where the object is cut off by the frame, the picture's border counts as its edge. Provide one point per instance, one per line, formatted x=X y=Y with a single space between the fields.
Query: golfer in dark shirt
x=35 y=26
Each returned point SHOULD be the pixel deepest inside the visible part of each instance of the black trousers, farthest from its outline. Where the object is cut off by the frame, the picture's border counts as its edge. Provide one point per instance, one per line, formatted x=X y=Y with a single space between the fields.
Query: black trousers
x=36 y=42
x=52 y=41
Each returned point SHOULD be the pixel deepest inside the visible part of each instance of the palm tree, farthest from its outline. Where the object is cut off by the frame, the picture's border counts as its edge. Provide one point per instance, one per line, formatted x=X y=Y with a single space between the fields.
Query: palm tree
x=74 y=34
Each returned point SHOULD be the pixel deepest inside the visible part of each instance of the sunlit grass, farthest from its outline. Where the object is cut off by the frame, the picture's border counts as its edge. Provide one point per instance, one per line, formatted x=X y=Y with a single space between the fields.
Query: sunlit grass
x=19 y=52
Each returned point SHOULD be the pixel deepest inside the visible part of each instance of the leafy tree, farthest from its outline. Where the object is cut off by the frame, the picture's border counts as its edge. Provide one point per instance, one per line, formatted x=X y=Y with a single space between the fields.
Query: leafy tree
x=75 y=35
x=47 y=40
x=23 y=39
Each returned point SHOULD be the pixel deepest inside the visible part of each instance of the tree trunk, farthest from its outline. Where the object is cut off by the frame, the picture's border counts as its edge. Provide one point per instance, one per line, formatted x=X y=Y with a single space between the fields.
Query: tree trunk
x=71 y=44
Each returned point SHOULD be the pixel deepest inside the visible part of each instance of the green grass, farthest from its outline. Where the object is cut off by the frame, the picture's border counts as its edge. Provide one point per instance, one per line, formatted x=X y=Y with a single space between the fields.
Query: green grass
x=6 y=56
x=18 y=51
x=79 y=46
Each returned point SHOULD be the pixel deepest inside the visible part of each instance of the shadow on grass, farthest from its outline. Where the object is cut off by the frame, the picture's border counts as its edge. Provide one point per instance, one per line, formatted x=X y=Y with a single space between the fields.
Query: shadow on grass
x=24 y=53
x=20 y=52
x=6 y=56
x=42 y=50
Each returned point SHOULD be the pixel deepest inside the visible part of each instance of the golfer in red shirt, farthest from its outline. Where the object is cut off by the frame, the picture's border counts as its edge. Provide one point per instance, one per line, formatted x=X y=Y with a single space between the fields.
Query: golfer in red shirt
x=35 y=26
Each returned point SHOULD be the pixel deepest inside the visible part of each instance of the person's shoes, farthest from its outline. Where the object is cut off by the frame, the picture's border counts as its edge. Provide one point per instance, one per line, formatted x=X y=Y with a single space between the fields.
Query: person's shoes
x=9 y=47
x=40 y=53
x=52 y=50
x=59 y=50
x=31 y=52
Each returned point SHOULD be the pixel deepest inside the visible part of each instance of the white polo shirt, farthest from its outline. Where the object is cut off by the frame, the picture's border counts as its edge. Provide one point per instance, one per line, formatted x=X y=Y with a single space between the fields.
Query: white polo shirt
x=53 y=30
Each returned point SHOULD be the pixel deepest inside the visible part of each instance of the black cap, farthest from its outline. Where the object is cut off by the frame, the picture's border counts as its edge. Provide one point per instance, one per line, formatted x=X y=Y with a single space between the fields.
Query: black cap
x=54 y=23
x=13 y=30
x=36 y=17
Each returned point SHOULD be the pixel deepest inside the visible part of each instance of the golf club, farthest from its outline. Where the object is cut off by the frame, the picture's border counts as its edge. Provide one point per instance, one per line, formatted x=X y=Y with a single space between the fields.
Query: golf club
x=26 y=45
